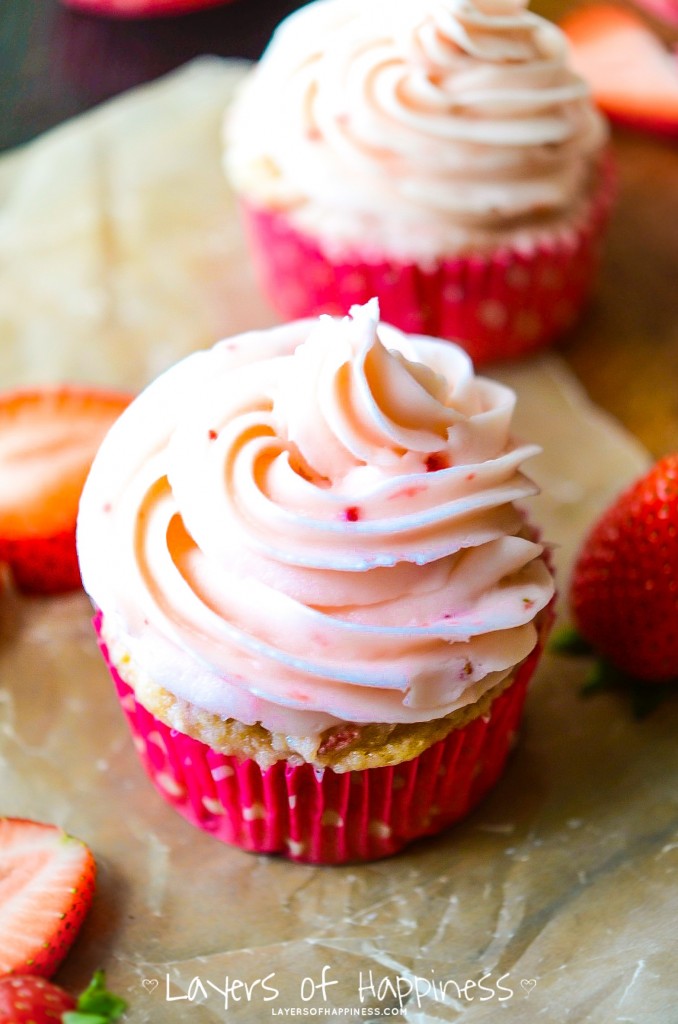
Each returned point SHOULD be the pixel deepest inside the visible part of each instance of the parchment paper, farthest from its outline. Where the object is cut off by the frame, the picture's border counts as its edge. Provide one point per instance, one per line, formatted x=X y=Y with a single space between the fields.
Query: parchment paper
x=556 y=901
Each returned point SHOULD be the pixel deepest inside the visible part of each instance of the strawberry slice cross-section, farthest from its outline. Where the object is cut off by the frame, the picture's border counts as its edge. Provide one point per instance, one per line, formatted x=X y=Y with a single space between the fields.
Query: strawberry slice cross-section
x=48 y=439
x=47 y=883
x=633 y=77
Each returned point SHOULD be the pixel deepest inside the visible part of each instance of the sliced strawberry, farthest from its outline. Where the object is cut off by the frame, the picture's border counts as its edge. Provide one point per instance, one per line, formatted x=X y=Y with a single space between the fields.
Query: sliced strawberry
x=48 y=438
x=28 y=999
x=632 y=77
x=46 y=887
x=141 y=8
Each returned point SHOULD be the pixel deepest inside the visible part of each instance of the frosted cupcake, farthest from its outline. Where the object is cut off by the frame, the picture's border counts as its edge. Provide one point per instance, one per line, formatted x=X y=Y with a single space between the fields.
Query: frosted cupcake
x=437 y=153
x=315 y=588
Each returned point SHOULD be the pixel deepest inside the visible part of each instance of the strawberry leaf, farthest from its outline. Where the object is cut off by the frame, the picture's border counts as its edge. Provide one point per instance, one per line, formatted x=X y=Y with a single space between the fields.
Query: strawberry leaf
x=644 y=697
x=604 y=677
x=96 y=1005
x=568 y=640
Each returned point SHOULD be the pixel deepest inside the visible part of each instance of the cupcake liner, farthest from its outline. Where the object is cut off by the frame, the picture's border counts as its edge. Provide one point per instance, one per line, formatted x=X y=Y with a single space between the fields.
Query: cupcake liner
x=497 y=306
x=317 y=815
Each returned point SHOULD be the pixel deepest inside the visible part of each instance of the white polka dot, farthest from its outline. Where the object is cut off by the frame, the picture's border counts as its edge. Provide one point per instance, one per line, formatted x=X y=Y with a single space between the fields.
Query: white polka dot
x=128 y=702
x=212 y=805
x=170 y=785
x=379 y=829
x=332 y=818
x=295 y=848
x=254 y=812
x=222 y=771
x=155 y=738
x=492 y=313
x=292 y=801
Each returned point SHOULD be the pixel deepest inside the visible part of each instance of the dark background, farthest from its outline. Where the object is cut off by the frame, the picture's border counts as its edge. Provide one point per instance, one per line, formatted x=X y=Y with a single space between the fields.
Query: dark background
x=56 y=62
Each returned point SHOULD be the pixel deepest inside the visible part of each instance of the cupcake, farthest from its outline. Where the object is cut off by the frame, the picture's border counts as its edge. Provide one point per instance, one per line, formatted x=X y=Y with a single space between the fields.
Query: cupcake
x=315 y=586
x=437 y=153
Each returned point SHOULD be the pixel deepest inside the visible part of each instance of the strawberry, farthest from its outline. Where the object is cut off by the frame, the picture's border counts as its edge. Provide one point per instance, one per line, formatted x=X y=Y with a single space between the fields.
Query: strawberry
x=48 y=438
x=29 y=999
x=46 y=888
x=624 y=589
x=141 y=8
x=632 y=76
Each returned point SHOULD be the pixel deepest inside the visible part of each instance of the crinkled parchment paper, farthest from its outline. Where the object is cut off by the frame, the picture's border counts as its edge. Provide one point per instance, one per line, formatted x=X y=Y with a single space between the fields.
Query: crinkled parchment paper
x=555 y=901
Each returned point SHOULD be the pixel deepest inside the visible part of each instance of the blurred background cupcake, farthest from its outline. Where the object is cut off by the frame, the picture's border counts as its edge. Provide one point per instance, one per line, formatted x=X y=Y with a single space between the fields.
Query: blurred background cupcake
x=439 y=154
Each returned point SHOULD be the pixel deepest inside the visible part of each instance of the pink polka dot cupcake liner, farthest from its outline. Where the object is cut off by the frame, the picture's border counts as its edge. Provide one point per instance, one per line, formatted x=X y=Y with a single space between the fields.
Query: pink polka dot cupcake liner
x=503 y=305
x=320 y=816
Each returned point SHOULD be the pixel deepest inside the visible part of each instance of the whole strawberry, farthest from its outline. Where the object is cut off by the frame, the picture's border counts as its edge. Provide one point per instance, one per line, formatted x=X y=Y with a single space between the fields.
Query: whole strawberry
x=624 y=592
x=25 y=998
x=30 y=999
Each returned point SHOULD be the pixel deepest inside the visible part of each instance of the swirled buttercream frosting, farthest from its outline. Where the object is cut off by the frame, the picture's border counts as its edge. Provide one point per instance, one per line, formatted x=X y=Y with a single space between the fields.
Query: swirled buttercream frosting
x=416 y=126
x=314 y=524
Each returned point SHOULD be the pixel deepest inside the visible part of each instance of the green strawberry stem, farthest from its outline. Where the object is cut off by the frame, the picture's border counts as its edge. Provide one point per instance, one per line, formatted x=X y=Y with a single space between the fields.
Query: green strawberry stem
x=645 y=697
x=603 y=676
x=96 y=1005
x=567 y=640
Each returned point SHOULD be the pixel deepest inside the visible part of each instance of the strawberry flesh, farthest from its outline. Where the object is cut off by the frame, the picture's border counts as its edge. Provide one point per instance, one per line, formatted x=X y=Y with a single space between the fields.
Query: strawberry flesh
x=634 y=79
x=46 y=887
x=48 y=438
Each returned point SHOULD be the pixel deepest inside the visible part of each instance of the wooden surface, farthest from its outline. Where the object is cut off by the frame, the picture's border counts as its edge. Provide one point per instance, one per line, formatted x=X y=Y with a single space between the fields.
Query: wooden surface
x=55 y=63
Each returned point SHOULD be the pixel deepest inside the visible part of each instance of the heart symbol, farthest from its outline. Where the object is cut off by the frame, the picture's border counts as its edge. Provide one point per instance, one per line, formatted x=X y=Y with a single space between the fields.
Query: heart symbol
x=150 y=984
x=528 y=984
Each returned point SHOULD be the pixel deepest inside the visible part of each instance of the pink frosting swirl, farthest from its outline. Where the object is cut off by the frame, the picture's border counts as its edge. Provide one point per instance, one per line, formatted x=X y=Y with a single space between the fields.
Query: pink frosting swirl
x=317 y=523
x=416 y=127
